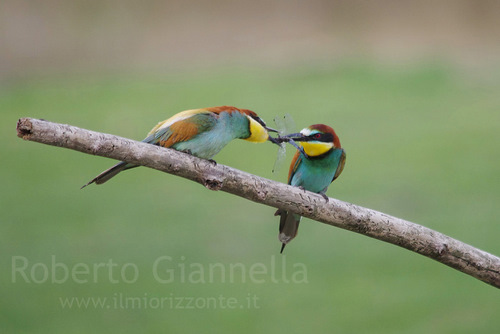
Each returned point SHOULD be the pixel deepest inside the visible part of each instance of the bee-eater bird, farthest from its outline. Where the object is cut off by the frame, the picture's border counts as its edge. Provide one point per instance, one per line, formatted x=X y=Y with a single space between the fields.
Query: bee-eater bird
x=319 y=160
x=200 y=132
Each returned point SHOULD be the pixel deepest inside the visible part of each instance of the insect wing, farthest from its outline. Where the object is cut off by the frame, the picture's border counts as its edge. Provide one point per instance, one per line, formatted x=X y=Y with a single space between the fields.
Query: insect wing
x=284 y=125
x=280 y=158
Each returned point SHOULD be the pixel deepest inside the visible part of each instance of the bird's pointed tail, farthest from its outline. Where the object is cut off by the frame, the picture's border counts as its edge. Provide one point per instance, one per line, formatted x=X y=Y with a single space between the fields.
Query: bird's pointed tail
x=109 y=173
x=289 y=226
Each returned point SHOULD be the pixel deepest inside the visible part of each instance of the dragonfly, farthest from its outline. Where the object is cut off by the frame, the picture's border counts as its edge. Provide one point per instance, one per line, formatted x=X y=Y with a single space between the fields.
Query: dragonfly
x=284 y=125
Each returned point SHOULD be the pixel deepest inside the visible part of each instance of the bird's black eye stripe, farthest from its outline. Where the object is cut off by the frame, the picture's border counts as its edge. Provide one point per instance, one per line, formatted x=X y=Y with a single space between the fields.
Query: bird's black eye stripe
x=323 y=137
x=327 y=137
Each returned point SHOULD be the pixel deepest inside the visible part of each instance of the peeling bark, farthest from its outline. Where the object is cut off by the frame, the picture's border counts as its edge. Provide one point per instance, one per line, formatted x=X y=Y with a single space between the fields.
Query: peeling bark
x=378 y=225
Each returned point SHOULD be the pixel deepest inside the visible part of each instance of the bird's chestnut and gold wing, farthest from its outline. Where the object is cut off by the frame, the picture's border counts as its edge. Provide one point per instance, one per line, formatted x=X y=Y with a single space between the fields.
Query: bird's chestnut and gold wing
x=340 y=166
x=181 y=127
x=296 y=160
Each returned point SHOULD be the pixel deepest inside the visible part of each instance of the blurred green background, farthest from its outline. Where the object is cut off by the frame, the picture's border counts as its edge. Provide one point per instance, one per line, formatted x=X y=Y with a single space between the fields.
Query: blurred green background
x=415 y=101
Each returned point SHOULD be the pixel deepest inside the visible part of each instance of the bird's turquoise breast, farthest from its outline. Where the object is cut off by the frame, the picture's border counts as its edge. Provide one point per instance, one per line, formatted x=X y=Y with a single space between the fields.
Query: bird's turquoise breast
x=316 y=174
x=208 y=143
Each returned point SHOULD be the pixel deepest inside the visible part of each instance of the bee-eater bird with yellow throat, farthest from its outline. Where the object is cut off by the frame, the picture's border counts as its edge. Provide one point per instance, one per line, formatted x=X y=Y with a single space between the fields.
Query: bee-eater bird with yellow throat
x=319 y=160
x=200 y=132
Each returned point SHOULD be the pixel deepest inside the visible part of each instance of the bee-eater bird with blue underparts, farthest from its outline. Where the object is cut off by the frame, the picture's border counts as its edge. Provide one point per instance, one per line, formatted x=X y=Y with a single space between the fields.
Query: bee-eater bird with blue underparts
x=200 y=132
x=319 y=160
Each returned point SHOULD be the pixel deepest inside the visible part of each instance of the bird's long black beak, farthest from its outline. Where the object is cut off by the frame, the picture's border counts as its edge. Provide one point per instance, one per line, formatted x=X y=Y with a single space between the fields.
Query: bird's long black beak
x=276 y=141
x=290 y=138
x=294 y=144
x=270 y=129
x=294 y=137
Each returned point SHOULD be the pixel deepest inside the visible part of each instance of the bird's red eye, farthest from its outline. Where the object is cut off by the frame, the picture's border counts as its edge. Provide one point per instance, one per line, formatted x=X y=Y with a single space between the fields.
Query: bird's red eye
x=317 y=136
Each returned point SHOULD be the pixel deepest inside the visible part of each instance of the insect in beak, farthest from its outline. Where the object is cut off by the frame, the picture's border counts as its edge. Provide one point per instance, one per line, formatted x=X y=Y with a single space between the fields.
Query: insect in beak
x=291 y=139
x=295 y=137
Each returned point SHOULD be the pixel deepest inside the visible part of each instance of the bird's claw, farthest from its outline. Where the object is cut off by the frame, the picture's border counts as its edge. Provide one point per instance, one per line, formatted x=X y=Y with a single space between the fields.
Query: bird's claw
x=327 y=199
x=213 y=162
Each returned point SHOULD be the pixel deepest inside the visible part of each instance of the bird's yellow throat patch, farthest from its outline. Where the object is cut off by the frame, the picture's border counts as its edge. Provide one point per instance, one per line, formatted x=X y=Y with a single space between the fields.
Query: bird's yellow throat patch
x=314 y=149
x=257 y=132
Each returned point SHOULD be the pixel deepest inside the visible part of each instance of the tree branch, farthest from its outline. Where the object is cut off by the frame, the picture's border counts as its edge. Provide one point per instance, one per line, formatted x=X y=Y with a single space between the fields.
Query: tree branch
x=378 y=225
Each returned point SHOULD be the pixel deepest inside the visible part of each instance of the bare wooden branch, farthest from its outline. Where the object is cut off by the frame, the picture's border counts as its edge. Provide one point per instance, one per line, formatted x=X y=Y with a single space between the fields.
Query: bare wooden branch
x=378 y=225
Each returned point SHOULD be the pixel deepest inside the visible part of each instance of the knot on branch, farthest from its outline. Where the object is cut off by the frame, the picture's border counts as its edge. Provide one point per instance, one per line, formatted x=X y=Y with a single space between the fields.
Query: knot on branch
x=100 y=147
x=262 y=194
x=212 y=184
x=260 y=190
x=310 y=209
x=442 y=249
